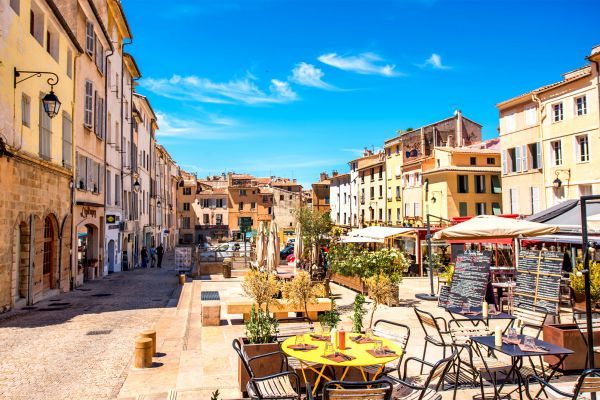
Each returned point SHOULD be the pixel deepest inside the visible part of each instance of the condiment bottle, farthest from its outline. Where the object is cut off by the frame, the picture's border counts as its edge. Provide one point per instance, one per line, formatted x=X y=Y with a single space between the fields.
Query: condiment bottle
x=484 y=309
x=334 y=337
x=342 y=339
x=498 y=336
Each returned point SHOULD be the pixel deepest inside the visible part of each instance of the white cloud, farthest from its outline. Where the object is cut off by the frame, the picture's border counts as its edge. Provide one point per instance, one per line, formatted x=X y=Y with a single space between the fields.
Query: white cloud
x=170 y=126
x=309 y=75
x=364 y=63
x=435 y=61
x=203 y=90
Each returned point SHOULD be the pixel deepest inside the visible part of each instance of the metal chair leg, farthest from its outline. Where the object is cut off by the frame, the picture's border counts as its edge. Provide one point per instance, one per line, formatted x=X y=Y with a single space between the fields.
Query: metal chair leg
x=424 y=351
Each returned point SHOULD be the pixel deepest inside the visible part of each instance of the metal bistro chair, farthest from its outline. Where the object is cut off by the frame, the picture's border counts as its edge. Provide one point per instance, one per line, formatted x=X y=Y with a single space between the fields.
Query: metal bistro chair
x=289 y=327
x=588 y=382
x=434 y=333
x=580 y=319
x=471 y=358
x=284 y=385
x=396 y=332
x=530 y=322
x=411 y=390
x=341 y=390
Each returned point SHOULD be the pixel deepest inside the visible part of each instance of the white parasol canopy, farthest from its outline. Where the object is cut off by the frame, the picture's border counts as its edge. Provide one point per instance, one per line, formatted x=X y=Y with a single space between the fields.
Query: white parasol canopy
x=490 y=226
x=273 y=249
x=261 y=245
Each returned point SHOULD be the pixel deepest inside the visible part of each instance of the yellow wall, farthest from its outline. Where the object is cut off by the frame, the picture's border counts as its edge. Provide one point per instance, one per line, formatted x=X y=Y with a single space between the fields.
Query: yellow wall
x=393 y=168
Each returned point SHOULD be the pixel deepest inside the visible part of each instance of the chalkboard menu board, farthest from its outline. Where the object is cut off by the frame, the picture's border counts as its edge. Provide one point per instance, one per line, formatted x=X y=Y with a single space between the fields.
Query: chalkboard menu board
x=538 y=279
x=470 y=280
x=444 y=296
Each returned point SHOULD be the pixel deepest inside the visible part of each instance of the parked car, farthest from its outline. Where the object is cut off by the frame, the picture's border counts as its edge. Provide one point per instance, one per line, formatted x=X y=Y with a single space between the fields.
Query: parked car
x=225 y=250
x=286 y=252
x=290 y=242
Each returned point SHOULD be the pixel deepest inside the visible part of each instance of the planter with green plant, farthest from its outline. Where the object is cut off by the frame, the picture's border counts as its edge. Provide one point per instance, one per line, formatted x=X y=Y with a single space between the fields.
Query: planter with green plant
x=330 y=318
x=577 y=283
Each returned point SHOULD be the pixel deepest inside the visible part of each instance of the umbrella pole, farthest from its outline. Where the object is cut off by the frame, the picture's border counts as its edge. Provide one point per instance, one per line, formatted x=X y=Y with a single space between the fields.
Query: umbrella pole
x=431 y=296
x=586 y=277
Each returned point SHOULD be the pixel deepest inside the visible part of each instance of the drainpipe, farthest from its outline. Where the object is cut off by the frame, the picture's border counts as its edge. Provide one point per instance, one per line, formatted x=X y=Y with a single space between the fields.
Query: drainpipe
x=122 y=147
x=541 y=117
x=106 y=128
x=597 y=64
x=74 y=244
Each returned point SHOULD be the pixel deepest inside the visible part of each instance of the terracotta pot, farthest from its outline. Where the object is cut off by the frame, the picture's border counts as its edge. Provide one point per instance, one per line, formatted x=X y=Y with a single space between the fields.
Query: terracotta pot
x=568 y=336
x=262 y=367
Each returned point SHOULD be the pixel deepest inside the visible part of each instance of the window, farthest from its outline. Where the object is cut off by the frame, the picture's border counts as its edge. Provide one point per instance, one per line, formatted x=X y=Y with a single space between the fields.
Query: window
x=407 y=209
x=52 y=43
x=108 y=187
x=411 y=179
x=557 y=112
x=463 y=184
x=530 y=115
x=67 y=142
x=219 y=219
x=252 y=205
x=220 y=203
x=398 y=214
x=326 y=199
x=417 y=209
x=99 y=123
x=380 y=172
x=397 y=192
x=581 y=105
x=186 y=222
x=187 y=190
x=480 y=209
x=372 y=192
x=380 y=191
x=281 y=197
x=48 y=257
x=25 y=110
x=270 y=211
x=496 y=184
x=16 y=6
x=473 y=160
x=241 y=206
x=205 y=203
x=89 y=38
x=380 y=215
x=372 y=214
x=88 y=104
x=389 y=215
x=186 y=206
x=535 y=199
x=510 y=122
x=362 y=177
x=205 y=219
x=462 y=209
x=535 y=155
x=99 y=56
x=117 y=190
x=496 y=210
x=242 y=192
x=514 y=201
x=397 y=149
x=556 y=152
x=36 y=24
x=479 y=183
x=491 y=161
x=45 y=134
x=583 y=150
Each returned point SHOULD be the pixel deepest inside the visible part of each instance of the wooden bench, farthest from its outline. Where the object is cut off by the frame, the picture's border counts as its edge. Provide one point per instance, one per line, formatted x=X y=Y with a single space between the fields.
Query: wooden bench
x=280 y=310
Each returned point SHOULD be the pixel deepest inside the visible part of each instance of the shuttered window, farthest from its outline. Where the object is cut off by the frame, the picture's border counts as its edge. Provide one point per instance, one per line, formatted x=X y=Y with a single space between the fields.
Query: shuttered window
x=67 y=142
x=89 y=38
x=88 y=104
x=45 y=134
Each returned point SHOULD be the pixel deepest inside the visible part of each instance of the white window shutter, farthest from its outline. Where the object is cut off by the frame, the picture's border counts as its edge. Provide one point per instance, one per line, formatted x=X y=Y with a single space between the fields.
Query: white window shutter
x=525 y=165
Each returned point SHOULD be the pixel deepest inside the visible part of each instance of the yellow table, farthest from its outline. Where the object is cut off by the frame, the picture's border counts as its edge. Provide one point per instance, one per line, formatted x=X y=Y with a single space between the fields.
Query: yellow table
x=359 y=351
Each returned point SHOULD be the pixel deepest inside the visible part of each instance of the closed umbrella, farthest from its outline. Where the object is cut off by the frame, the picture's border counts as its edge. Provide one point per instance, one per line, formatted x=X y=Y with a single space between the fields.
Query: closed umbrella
x=298 y=245
x=261 y=245
x=273 y=249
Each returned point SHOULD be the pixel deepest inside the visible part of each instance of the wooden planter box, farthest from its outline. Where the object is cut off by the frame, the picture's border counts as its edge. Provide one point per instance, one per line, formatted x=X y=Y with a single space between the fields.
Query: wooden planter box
x=568 y=336
x=266 y=366
x=351 y=282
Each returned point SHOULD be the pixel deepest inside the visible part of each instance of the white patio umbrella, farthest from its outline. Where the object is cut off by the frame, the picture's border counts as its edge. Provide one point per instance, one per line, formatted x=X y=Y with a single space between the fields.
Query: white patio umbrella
x=298 y=245
x=261 y=245
x=490 y=226
x=273 y=249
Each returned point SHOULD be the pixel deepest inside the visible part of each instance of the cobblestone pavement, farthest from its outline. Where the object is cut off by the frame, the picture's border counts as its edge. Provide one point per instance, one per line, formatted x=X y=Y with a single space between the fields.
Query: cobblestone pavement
x=79 y=345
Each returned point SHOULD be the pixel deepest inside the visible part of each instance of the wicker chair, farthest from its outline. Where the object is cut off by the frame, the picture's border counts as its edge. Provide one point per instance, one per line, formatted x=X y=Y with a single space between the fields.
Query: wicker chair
x=339 y=390
x=284 y=385
x=436 y=331
x=588 y=382
x=396 y=332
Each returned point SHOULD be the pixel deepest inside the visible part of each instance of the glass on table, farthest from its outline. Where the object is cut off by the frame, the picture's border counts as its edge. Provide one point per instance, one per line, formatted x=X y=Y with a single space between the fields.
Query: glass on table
x=465 y=307
x=299 y=340
x=369 y=333
x=529 y=341
x=378 y=347
x=326 y=330
x=512 y=334
x=328 y=349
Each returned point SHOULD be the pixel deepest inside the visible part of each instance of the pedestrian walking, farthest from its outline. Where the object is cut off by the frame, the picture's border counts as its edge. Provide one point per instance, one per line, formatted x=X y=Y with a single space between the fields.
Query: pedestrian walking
x=144 y=255
x=152 y=256
x=160 y=251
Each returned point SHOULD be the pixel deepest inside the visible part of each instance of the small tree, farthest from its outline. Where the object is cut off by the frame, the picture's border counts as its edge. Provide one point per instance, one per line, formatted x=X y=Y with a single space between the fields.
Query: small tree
x=262 y=287
x=314 y=224
x=359 y=313
x=300 y=291
x=381 y=290
x=578 y=285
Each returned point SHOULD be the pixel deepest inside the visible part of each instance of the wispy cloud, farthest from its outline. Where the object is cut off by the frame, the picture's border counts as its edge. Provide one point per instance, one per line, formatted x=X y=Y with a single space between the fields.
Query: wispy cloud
x=203 y=90
x=171 y=126
x=364 y=63
x=435 y=62
x=308 y=75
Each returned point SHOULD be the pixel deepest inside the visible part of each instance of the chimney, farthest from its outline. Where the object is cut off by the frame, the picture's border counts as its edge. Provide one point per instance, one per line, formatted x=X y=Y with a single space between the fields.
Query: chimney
x=459 y=128
x=294 y=180
x=450 y=141
x=334 y=173
x=322 y=176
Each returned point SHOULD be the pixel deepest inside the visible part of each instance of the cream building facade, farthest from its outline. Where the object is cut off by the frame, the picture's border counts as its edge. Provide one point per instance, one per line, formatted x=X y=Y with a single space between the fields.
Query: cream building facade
x=341 y=199
x=371 y=187
x=548 y=137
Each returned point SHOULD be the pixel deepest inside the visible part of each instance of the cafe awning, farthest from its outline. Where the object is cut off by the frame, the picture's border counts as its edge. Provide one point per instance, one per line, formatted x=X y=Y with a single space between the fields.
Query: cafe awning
x=359 y=239
x=490 y=226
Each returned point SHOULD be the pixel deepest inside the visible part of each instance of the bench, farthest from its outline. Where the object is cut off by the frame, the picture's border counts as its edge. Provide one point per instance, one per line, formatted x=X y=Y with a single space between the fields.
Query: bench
x=280 y=310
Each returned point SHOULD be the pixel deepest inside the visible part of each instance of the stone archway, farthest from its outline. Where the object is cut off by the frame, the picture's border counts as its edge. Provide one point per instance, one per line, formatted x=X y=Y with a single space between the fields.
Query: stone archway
x=50 y=253
x=20 y=264
x=88 y=251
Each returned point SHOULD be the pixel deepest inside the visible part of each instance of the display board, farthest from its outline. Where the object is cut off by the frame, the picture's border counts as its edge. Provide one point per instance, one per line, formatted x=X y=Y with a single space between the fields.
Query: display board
x=471 y=277
x=538 y=279
x=183 y=258
x=444 y=296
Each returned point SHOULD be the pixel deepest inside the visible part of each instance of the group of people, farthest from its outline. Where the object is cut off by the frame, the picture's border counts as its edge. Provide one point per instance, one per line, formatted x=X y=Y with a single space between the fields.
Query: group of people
x=154 y=256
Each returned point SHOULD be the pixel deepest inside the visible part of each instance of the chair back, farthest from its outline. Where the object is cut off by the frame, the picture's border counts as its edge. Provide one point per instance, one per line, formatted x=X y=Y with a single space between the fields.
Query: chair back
x=429 y=324
x=374 y=390
x=396 y=332
x=588 y=382
x=461 y=331
x=437 y=373
x=288 y=327
x=237 y=346
x=532 y=319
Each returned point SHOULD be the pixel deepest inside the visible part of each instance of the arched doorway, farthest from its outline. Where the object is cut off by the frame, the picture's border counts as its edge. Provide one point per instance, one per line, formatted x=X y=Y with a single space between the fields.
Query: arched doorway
x=87 y=251
x=20 y=270
x=111 y=256
x=125 y=253
x=49 y=244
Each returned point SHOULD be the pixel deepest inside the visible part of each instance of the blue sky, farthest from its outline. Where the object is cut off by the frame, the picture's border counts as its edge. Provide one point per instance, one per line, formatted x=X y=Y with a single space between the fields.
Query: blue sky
x=292 y=88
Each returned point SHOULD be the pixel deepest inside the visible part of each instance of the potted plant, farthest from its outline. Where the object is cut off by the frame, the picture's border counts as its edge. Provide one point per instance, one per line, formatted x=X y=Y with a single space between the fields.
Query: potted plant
x=577 y=283
x=301 y=291
x=330 y=318
x=261 y=327
x=358 y=313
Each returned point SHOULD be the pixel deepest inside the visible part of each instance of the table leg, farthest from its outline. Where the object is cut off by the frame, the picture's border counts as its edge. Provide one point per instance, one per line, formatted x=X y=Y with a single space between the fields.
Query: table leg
x=552 y=372
x=318 y=379
x=344 y=373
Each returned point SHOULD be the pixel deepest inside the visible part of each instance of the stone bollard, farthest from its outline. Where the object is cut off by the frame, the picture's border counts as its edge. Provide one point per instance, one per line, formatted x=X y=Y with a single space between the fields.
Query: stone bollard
x=182 y=279
x=143 y=353
x=227 y=263
x=151 y=334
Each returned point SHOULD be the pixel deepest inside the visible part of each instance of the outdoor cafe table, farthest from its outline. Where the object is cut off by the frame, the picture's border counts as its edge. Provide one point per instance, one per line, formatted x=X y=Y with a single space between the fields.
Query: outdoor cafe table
x=309 y=359
x=517 y=355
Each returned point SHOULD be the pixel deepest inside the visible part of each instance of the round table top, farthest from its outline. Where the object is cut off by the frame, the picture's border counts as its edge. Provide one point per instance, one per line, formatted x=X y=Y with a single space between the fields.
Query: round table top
x=359 y=351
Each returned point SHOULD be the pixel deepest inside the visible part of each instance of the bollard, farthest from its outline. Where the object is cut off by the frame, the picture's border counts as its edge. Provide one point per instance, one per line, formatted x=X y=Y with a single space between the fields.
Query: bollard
x=143 y=350
x=182 y=279
x=151 y=334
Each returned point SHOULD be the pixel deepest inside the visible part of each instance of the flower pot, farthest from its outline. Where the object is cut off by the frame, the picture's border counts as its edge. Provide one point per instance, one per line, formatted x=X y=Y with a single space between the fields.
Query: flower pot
x=265 y=366
x=568 y=336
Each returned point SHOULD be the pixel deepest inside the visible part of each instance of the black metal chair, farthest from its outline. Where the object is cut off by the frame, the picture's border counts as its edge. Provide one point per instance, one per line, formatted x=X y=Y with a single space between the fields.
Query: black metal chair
x=396 y=332
x=284 y=385
x=588 y=382
x=434 y=333
x=340 y=390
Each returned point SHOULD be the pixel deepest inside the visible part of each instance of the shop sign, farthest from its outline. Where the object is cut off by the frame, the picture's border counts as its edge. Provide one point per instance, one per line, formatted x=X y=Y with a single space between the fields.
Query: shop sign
x=87 y=211
x=112 y=219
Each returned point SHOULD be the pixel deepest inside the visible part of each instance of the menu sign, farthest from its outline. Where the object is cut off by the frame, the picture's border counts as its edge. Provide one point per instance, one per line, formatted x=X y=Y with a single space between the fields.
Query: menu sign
x=444 y=296
x=470 y=280
x=538 y=279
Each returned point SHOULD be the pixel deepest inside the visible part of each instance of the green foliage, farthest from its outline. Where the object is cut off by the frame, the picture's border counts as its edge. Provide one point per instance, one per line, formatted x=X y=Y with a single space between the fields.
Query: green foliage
x=448 y=273
x=314 y=224
x=350 y=260
x=577 y=282
x=215 y=395
x=261 y=327
x=301 y=291
x=359 y=313
x=381 y=290
x=330 y=318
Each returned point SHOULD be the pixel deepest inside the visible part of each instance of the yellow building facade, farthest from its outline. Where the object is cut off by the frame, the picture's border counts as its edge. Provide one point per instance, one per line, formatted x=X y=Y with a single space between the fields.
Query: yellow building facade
x=393 y=168
x=36 y=152
x=548 y=138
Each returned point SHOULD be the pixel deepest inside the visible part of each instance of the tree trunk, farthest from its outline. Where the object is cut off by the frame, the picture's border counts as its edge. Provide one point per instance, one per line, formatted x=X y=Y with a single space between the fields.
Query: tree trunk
x=372 y=314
